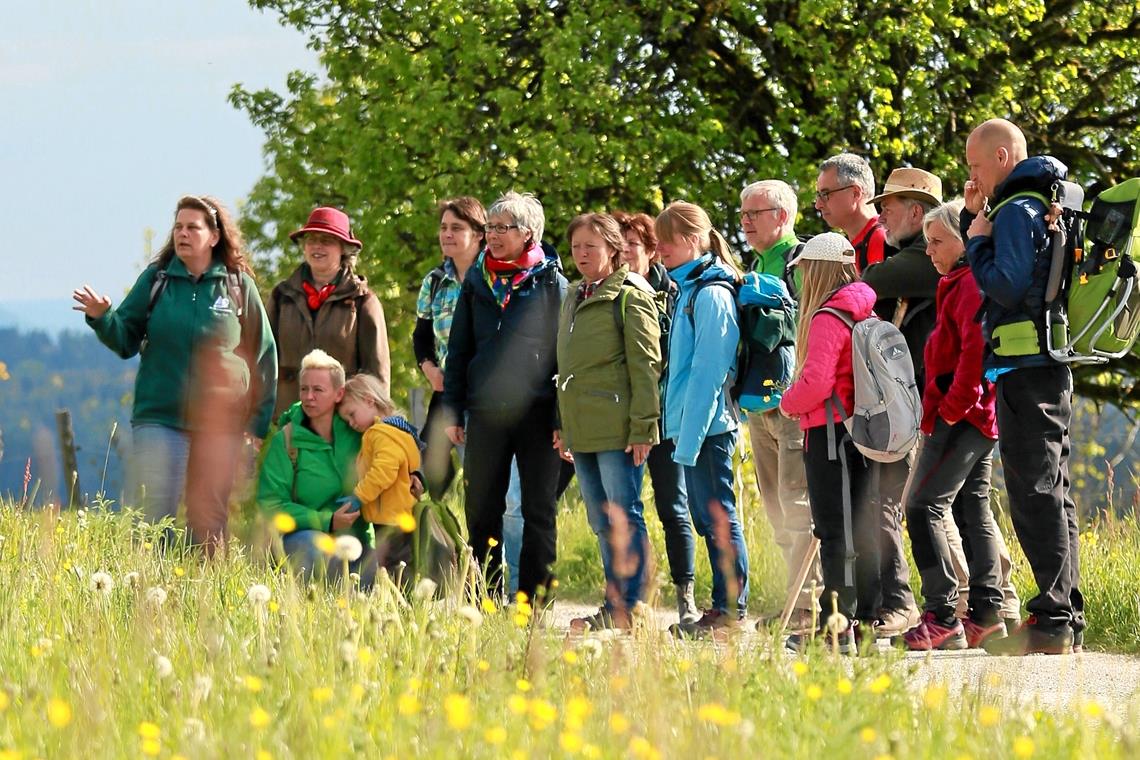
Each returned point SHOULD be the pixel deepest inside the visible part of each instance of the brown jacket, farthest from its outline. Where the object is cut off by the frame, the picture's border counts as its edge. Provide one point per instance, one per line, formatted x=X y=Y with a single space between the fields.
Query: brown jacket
x=349 y=326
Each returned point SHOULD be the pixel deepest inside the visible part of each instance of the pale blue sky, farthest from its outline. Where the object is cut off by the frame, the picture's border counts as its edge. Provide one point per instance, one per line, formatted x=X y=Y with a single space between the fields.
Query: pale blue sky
x=109 y=111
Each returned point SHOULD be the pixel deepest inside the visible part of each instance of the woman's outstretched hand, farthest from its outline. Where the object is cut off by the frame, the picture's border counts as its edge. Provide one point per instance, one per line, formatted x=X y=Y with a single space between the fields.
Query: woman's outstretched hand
x=90 y=303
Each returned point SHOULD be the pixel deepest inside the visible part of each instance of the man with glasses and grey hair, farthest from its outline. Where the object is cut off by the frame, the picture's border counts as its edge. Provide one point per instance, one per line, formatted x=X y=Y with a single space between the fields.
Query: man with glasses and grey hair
x=768 y=212
x=843 y=195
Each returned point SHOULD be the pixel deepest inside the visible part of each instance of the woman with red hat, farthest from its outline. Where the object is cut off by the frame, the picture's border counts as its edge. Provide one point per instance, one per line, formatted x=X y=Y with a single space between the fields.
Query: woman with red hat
x=324 y=304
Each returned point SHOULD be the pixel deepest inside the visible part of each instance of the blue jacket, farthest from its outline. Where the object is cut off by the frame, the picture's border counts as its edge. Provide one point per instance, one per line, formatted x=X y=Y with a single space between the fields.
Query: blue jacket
x=702 y=351
x=1011 y=266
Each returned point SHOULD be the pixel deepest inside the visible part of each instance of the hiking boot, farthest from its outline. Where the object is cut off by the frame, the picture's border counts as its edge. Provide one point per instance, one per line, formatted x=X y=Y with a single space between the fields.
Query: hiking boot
x=687 y=611
x=800 y=641
x=892 y=623
x=930 y=634
x=978 y=633
x=602 y=620
x=1032 y=638
x=711 y=621
x=1078 y=641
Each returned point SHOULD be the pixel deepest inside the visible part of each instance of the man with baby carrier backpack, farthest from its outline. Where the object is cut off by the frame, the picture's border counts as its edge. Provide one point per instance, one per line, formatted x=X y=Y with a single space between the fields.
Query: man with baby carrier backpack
x=1009 y=249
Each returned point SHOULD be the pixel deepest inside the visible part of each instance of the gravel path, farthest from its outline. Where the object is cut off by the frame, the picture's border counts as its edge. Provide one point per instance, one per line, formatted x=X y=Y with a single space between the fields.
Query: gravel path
x=1054 y=682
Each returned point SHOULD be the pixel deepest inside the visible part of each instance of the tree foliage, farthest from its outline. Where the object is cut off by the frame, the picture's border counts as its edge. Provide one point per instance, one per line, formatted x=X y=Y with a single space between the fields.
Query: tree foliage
x=618 y=104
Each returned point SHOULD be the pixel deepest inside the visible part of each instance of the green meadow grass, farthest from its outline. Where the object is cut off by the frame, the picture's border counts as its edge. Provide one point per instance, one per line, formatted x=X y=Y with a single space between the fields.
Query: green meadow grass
x=167 y=655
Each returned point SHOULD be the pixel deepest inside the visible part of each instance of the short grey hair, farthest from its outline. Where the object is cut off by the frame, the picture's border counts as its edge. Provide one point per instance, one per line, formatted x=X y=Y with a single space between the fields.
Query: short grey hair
x=949 y=215
x=852 y=169
x=780 y=193
x=524 y=210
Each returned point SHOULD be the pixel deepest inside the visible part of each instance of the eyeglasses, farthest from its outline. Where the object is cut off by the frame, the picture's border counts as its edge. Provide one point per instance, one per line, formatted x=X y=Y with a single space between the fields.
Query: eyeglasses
x=825 y=195
x=751 y=215
x=500 y=229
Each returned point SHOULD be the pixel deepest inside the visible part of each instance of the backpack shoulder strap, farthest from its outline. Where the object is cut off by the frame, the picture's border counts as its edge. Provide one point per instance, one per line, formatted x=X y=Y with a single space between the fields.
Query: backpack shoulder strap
x=847 y=318
x=237 y=295
x=992 y=214
x=156 y=288
x=632 y=281
x=690 y=305
x=436 y=276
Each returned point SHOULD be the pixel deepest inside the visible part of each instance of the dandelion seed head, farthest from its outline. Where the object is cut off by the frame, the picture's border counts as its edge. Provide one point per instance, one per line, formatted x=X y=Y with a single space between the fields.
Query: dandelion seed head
x=425 y=589
x=102 y=582
x=156 y=596
x=348 y=548
x=471 y=615
x=131 y=579
x=163 y=668
x=258 y=594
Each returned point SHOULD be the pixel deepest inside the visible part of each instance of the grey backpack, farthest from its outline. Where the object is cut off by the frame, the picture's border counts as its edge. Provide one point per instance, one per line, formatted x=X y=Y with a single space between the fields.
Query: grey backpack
x=884 y=426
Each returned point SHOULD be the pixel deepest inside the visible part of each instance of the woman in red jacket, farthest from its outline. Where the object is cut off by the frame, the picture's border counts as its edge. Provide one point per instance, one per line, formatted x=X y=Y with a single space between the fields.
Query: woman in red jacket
x=953 y=468
x=848 y=552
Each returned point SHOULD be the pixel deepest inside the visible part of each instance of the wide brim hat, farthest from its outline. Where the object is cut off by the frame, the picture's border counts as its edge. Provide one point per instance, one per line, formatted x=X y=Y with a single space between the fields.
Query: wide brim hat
x=912 y=183
x=331 y=221
x=830 y=246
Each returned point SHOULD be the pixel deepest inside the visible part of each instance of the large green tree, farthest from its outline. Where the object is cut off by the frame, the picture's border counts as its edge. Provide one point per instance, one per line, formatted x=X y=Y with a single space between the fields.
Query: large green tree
x=612 y=104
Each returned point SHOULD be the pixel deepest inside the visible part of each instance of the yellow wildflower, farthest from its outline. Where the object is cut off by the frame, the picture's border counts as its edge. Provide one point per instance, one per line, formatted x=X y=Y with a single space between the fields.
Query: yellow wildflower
x=284 y=523
x=263 y=755
x=619 y=724
x=542 y=713
x=880 y=684
x=640 y=747
x=571 y=743
x=408 y=704
x=483 y=666
x=517 y=704
x=406 y=522
x=5 y=700
x=868 y=735
x=570 y=657
x=1023 y=747
x=799 y=667
x=326 y=544
x=58 y=713
x=258 y=718
x=934 y=696
x=252 y=683
x=178 y=571
x=813 y=692
x=492 y=543
x=458 y=709
x=988 y=715
x=495 y=735
x=1091 y=708
x=322 y=694
x=489 y=606
x=717 y=714
x=577 y=710
x=522 y=685
x=843 y=686
x=151 y=747
x=148 y=730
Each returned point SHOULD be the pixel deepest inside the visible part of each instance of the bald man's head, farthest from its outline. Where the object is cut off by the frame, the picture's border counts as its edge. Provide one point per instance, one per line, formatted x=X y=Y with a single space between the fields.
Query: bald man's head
x=992 y=150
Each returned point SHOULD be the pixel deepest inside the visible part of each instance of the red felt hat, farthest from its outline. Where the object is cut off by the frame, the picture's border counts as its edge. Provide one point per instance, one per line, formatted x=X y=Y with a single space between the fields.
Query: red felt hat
x=329 y=220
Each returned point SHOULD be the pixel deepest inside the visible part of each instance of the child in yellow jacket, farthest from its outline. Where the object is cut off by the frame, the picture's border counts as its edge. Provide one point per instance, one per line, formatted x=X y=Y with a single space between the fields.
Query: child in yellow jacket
x=386 y=468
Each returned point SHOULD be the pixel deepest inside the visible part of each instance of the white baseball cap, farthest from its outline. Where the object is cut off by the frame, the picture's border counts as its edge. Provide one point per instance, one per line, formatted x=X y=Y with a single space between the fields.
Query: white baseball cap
x=830 y=246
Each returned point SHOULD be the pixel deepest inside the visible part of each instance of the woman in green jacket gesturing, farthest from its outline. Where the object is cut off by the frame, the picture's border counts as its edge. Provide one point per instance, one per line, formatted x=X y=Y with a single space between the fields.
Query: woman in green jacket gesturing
x=609 y=365
x=208 y=371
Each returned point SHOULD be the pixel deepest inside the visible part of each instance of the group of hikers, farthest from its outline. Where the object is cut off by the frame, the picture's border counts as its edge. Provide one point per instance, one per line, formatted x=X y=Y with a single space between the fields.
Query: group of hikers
x=632 y=368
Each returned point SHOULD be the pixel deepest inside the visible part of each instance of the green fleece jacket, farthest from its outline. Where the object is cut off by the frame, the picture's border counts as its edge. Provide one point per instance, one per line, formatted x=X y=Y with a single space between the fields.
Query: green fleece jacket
x=200 y=365
x=324 y=473
x=608 y=376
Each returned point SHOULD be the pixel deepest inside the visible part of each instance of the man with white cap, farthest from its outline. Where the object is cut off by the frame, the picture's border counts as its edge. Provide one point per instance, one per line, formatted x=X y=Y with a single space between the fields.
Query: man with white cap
x=905 y=284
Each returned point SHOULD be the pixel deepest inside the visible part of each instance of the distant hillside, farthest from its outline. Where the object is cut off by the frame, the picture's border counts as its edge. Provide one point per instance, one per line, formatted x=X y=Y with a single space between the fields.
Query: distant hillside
x=52 y=315
x=44 y=373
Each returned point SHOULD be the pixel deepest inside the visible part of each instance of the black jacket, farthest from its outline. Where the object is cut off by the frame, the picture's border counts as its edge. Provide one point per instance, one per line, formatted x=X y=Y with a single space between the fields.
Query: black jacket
x=502 y=361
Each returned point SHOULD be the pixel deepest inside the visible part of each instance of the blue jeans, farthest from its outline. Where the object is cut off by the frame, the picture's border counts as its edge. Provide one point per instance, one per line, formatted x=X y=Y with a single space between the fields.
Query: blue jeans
x=159 y=458
x=672 y=504
x=304 y=557
x=513 y=527
x=611 y=488
x=713 y=505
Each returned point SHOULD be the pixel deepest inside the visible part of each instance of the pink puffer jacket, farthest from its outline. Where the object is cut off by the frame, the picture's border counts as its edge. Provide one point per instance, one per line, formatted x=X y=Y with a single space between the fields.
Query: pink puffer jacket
x=828 y=366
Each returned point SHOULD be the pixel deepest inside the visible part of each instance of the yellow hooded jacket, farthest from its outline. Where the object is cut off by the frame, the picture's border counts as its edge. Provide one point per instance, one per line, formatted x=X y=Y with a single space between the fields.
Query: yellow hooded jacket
x=388 y=457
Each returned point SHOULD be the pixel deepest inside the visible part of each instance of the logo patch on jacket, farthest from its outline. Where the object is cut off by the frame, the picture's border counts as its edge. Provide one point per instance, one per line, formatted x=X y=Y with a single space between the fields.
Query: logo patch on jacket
x=222 y=306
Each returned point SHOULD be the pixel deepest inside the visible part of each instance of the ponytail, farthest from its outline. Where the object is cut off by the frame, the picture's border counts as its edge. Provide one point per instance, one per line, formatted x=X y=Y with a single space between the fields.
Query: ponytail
x=719 y=247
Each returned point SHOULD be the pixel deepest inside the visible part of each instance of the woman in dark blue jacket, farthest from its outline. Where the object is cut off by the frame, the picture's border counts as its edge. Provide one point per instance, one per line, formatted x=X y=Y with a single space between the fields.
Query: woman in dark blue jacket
x=498 y=388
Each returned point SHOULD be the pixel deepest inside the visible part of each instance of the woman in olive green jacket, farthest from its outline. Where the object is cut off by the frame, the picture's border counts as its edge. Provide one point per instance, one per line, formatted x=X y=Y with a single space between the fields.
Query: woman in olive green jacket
x=609 y=366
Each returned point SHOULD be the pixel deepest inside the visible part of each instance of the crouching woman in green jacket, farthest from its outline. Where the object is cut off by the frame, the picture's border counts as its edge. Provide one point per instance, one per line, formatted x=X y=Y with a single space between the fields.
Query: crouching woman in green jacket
x=609 y=365
x=208 y=368
x=310 y=468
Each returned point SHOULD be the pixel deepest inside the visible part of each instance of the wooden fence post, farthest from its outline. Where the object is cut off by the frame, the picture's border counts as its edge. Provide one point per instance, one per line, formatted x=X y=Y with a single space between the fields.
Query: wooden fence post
x=70 y=459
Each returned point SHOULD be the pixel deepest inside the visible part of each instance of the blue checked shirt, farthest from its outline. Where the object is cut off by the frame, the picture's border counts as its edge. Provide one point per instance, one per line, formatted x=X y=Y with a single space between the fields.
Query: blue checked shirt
x=441 y=309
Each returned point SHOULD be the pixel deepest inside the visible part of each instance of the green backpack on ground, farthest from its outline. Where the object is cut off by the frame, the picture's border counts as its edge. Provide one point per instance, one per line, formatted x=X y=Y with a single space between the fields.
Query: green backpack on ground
x=1092 y=297
x=435 y=543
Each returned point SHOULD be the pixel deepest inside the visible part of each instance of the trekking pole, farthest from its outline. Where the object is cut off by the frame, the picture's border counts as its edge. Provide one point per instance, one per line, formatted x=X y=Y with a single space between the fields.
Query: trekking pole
x=798 y=586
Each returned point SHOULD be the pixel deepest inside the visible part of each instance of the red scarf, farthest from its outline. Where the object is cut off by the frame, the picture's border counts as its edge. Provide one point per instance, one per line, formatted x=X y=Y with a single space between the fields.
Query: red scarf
x=317 y=297
x=531 y=256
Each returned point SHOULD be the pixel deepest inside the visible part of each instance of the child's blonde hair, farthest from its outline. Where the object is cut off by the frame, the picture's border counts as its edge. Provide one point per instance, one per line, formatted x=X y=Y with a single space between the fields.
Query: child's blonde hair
x=820 y=280
x=366 y=388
